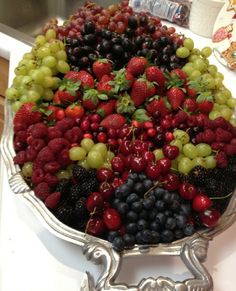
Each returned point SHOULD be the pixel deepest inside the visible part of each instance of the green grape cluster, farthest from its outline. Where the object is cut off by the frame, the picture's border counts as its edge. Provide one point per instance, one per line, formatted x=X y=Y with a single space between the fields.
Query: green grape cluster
x=91 y=155
x=36 y=74
x=191 y=155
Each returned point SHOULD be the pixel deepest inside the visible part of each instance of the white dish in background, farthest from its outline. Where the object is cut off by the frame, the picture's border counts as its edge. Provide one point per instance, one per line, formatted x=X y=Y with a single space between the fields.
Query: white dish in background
x=224 y=35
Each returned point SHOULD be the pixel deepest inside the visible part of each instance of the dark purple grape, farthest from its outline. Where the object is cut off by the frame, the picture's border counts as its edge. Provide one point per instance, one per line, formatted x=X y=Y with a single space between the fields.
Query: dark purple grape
x=132 y=22
x=89 y=27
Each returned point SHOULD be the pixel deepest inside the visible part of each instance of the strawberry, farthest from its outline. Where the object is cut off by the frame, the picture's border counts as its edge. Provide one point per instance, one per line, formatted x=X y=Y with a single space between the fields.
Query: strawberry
x=123 y=80
x=179 y=74
x=158 y=104
x=85 y=78
x=104 y=84
x=125 y=105
x=205 y=106
x=114 y=121
x=53 y=112
x=102 y=67
x=74 y=111
x=176 y=97
x=27 y=114
x=68 y=92
x=141 y=90
x=154 y=74
x=190 y=92
x=107 y=108
x=53 y=200
x=190 y=105
x=136 y=66
x=90 y=99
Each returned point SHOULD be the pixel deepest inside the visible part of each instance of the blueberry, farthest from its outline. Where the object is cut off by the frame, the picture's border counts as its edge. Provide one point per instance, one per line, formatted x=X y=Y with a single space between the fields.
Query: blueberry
x=189 y=229
x=185 y=209
x=129 y=240
x=181 y=220
x=147 y=236
x=118 y=244
x=142 y=176
x=139 y=238
x=129 y=183
x=112 y=235
x=116 y=202
x=167 y=236
x=148 y=203
x=139 y=188
x=122 y=207
x=175 y=205
x=160 y=205
x=124 y=190
x=152 y=214
x=155 y=225
x=161 y=218
x=142 y=224
x=155 y=237
x=132 y=216
x=178 y=233
x=168 y=213
x=131 y=228
x=147 y=184
x=159 y=192
x=170 y=223
x=143 y=214
x=134 y=177
x=137 y=206
x=167 y=197
x=132 y=198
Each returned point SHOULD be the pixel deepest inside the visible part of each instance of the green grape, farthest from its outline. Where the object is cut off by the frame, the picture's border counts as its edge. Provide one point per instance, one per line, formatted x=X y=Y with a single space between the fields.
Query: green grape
x=16 y=106
x=49 y=82
x=231 y=102
x=28 y=56
x=95 y=159
x=33 y=96
x=31 y=64
x=101 y=148
x=190 y=151
x=84 y=164
x=63 y=174
x=48 y=94
x=54 y=71
x=40 y=40
x=158 y=153
x=227 y=92
x=208 y=81
x=212 y=69
x=188 y=69
x=56 y=83
x=27 y=169
x=219 y=75
x=181 y=135
x=17 y=80
x=174 y=165
x=193 y=57
x=63 y=67
x=38 y=88
x=196 y=51
x=206 y=52
x=12 y=93
x=182 y=52
x=188 y=43
x=77 y=154
x=46 y=70
x=55 y=46
x=214 y=114
x=21 y=70
x=194 y=75
x=203 y=149
x=220 y=97
x=50 y=34
x=210 y=162
x=218 y=82
x=61 y=55
x=199 y=161
x=185 y=165
x=49 y=61
x=61 y=45
x=87 y=144
x=177 y=143
x=199 y=65
x=24 y=99
x=226 y=113
x=27 y=81
x=110 y=156
x=43 y=52
x=37 y=76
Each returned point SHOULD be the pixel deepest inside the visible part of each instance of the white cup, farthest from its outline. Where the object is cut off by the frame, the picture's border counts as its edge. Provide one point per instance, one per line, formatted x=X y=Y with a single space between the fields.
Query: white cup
x=203 y=15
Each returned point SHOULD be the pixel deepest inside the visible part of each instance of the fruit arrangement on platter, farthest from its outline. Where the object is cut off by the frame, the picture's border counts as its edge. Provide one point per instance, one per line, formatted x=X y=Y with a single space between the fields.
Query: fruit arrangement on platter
x=123 y=129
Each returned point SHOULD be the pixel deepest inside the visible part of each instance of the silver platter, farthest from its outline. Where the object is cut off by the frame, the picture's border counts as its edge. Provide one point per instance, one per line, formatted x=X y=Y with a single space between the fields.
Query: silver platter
x=192 y=250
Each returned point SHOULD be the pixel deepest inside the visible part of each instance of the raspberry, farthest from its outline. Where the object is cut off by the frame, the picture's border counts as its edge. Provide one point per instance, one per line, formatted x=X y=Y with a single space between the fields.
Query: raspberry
x=39 y=130
x=46 y=155
x=221 y=159
x=65 y=124
x=208 y=136
x=220 y=122
x=52 y=167
x=20 y=158
x=19 y=127
x=63 y=158
x=53 y=200
x=233 y=141
x=21 y=135
x=216 y=146
x=192 y=120
x=42 y=190
x=37 y=176
x=31 y=154
x=51 y=180
x=200 y=118
x=209 y=123
x=230 y=149
x=74 y=135
x=38 y=144
x=54 y=132
x=58 y=144
x=180 y=117
x=223 y=135
x=19 y=145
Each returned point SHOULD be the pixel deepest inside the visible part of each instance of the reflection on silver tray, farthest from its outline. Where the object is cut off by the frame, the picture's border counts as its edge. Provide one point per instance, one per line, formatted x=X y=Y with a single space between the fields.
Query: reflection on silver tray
x=192 y=250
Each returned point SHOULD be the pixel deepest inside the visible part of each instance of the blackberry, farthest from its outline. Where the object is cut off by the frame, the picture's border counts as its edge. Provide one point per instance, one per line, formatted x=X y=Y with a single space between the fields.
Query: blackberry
x=63 y=187
x=75 y=193
x=91 y=173
x=65 y=213
x=89 y=186
x=198 y=175
x=79 y=173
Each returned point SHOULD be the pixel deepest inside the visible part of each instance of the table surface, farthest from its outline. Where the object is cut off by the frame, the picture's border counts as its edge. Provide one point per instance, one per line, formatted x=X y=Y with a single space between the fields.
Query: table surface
x=33 y=259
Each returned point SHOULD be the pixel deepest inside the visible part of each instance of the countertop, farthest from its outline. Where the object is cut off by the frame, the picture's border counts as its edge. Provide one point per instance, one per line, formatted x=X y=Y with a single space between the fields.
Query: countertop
x=33 y=259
